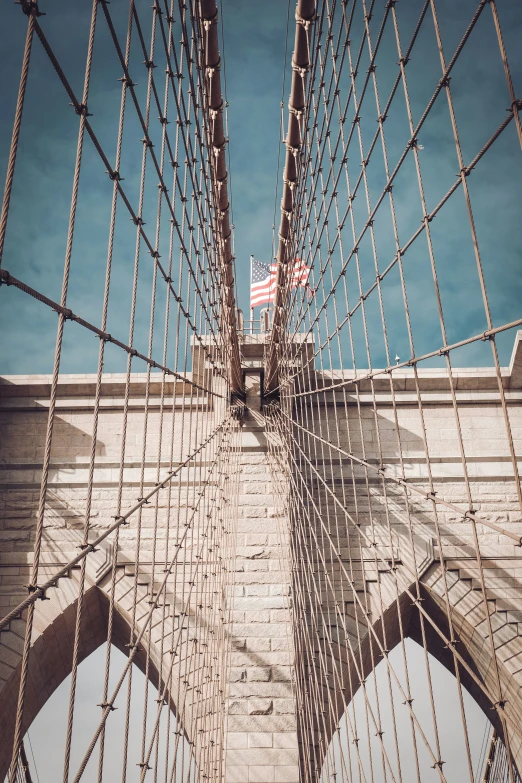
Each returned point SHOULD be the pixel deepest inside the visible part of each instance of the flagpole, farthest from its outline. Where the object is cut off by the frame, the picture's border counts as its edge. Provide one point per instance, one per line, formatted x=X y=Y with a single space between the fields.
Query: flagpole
x=251 y=308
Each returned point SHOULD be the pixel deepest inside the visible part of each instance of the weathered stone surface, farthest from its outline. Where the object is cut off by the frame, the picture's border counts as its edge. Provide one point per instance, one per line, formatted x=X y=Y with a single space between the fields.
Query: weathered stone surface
x=261 y=731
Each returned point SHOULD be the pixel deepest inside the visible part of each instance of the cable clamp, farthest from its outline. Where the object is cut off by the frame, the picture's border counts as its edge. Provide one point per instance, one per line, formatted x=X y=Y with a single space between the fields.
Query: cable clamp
x=30 y=7
x=149 y=63
x=105 y=704
x=298 y=113
x=127 y=81
x=81 y=109
x=87 y=547
x=517 y=104
x=120 y=519
x=302 y=70
x=33 y=588
x=214 y=112
x=147 y=142
x=305 y=22
x=115 y=175
x=207 y=23
x=451 y=644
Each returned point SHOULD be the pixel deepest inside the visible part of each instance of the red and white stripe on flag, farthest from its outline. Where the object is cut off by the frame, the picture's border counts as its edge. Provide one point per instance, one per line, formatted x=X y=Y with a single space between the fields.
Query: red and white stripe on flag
x=300 y=274
x=263 y=280
x=262 y=283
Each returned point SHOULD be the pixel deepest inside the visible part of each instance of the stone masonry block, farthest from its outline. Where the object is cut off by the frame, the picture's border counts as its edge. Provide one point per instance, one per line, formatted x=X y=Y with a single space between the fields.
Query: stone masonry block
x=259 y=674
x=286 y=774
x=237 y=739
x=270 y=690
x=260 y=706
x=260 y=740
x=261 y=774
x=262 y=754
x=237 y=707
x=285 y=739
x=236 y=773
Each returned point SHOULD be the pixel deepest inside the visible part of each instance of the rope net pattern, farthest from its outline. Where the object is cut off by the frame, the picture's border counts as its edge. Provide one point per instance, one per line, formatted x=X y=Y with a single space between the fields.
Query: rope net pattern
x=343 y=459
x=373 y=561
x=176 y=514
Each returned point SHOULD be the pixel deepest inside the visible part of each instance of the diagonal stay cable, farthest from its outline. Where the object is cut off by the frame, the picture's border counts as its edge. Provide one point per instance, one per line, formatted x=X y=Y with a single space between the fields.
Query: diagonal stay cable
x=39 y=592
x=394 y=261
x=487 y=334
x=416 y=601
x=7 y=279
x=512 y=112
x=109 y=706
x=426 y=494
x=116 y=177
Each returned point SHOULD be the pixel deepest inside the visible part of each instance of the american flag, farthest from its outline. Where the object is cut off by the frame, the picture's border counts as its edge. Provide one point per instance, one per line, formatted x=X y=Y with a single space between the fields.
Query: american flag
x=300 y=275
x=263 y=280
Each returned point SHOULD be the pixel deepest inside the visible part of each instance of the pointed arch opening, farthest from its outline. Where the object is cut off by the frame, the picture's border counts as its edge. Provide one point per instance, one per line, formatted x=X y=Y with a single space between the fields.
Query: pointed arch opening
x=49 y=688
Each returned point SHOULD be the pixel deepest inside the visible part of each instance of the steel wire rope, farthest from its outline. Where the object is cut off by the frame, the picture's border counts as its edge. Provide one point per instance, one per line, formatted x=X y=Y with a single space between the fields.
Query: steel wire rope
x=135 y=644
x=30 y=8
x=114 y=175
x=419 y=125
x=383 y=561
x=148 y=143
x=397 y=681
x=82 y=112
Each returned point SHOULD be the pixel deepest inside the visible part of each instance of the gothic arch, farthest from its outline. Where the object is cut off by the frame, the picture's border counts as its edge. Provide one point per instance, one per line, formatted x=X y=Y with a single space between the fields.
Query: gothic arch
x=51 y=653
x=472 y=646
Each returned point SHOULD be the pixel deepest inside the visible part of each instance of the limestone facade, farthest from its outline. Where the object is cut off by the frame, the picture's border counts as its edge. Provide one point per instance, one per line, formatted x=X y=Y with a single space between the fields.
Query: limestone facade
x=262 y=724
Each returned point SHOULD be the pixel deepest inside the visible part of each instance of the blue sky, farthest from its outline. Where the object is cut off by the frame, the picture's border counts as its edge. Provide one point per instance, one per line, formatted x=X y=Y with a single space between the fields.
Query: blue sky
x=254 y=49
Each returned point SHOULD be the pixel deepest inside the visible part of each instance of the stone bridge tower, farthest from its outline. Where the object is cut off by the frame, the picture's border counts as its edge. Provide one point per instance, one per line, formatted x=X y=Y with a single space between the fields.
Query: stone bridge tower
x=272 y=554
